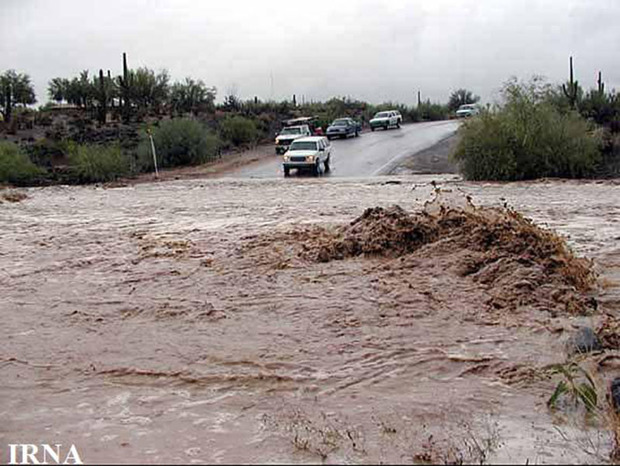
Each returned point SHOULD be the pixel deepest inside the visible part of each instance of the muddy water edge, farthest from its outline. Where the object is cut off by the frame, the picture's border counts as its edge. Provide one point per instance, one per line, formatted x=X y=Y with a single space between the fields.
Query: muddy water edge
x=166 y=322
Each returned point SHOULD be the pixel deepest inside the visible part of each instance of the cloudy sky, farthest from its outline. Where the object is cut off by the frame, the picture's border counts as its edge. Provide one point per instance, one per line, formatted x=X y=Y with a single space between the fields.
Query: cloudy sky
x=367 y=49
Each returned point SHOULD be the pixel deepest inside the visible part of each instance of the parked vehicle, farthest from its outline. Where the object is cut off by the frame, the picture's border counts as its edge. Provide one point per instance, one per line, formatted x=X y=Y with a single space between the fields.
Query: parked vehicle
x=343 y=128
x=290 y=134
x=467 y=110
x=308 y=154
x=386 y=119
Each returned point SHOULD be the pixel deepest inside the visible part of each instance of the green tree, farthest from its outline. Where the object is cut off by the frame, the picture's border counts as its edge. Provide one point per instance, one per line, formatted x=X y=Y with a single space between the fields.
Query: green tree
x=461 y=97
x=57 y=89
x=147 y=89
x=15 y=89
x=191 y=96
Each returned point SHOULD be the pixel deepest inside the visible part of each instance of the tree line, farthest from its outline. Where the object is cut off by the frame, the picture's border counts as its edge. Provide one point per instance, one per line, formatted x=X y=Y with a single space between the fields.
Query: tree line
x=136 y=90
x=142 y=90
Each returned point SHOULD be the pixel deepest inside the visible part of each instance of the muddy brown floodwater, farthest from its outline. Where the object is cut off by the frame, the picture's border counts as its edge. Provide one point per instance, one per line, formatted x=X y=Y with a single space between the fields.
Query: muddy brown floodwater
x=191 y=321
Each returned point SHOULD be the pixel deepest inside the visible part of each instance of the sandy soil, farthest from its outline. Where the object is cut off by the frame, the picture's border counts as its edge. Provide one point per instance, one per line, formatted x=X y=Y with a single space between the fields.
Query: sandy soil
x=188 y=321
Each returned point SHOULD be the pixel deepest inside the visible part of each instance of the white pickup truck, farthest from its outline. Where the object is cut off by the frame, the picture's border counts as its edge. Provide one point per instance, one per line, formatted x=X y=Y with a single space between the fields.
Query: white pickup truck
x=386 y=119
x=288 y=135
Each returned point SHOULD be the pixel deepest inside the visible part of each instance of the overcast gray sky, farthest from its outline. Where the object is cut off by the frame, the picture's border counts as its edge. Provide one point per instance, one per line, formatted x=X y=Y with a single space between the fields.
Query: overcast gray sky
x=369 y=49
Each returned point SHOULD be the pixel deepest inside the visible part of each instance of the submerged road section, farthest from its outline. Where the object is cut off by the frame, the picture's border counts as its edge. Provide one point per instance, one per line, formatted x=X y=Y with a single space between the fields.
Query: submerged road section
x=370 y=154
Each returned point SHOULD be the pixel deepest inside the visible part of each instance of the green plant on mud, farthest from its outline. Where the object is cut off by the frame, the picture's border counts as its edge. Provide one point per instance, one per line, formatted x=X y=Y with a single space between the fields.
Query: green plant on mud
x=583 y=389
x=576 y=383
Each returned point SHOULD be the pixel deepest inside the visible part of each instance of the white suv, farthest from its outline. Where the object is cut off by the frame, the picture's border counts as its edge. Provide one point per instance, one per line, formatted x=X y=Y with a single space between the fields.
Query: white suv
x=308 y=153
x=467 y=110
x=386 y=119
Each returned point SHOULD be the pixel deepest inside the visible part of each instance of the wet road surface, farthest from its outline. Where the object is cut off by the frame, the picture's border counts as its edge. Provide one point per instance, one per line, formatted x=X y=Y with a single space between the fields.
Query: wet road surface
x=370 y=154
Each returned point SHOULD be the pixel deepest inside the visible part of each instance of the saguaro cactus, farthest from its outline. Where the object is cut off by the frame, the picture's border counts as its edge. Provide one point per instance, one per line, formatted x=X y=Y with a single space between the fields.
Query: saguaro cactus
x=125 y=85
x=103 y=98
x=572 y=90
x=8 y=102
x=600 y=84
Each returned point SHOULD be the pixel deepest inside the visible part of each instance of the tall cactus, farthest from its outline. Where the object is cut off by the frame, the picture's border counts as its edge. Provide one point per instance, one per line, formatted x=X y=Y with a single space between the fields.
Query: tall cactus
x=8 y=103
x=601 y=84
x=125 y=85
x=110 y=84
x=572 y=90
x=103 y=98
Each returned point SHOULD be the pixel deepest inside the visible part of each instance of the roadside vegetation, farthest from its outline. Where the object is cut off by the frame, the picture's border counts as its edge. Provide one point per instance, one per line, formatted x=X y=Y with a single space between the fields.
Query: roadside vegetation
x=527 y=137
x=179 y=142
x=541 y=130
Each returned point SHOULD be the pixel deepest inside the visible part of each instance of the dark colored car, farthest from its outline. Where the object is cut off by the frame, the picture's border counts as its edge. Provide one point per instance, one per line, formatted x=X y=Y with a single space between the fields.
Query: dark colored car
x=343 y=128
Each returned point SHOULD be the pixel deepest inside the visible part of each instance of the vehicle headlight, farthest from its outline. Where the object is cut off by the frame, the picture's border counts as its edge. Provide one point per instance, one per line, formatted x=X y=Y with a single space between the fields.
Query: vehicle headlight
x=286 y=157
x=310 y=158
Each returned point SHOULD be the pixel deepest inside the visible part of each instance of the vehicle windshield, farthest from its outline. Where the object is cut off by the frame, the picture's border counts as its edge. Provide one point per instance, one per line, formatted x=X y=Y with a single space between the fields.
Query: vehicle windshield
x=339 y=123
x=466 y=107
x=382 y=115
x=291 y=131
x=303 y=145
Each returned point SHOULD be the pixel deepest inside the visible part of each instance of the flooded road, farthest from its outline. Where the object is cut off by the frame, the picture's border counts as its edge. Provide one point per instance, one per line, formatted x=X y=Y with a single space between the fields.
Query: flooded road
x=171 y=323
x=372 y=153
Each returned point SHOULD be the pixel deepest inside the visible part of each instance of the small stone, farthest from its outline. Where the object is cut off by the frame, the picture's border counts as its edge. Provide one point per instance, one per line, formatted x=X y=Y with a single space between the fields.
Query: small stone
x=584 y=341
x=615 y=393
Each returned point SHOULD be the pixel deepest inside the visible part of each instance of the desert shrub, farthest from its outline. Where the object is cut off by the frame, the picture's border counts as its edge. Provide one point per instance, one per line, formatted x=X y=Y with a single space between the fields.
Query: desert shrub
x=44 y=151
x=239 y=130
x=16 y=167
x=428 y=111
x=610 y=163
x=527 y=138
x=602 y=108
x=95 y=163
x=178 y=142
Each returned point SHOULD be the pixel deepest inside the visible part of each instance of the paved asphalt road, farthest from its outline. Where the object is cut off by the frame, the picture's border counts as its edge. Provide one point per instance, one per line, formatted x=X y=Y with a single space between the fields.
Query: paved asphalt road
x=372 y=153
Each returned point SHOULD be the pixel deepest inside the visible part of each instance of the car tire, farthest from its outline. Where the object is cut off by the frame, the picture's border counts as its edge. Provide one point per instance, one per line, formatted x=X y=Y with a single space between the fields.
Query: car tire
x=357 y=133
x=326 y=165
x=386 y=127
x=316 y=170
x=372 y=128
x=398 y=124
x=287 y=172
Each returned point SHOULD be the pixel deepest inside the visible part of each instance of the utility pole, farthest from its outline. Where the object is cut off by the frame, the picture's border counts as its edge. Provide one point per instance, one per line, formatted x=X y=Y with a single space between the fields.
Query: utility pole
x=271 y=75
x=148 y=131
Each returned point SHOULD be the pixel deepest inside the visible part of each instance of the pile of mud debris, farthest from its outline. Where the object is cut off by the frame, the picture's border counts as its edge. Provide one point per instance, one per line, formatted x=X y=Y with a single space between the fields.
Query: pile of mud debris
x=519 y=263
